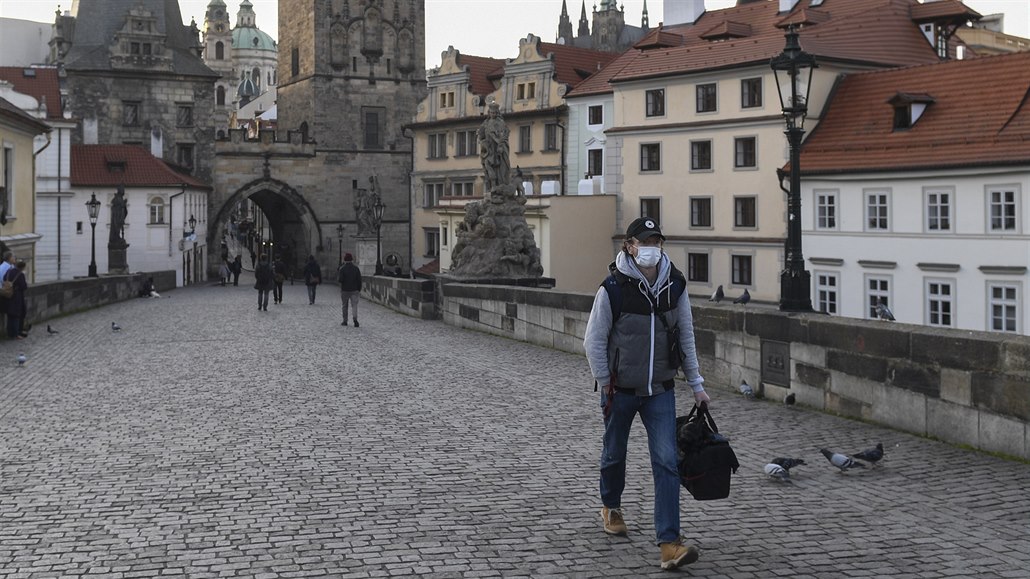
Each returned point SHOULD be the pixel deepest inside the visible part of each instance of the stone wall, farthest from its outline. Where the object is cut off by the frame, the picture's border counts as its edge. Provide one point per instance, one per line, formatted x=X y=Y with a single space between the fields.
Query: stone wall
x=414 y=297
x=53 y=299
x=970 y=388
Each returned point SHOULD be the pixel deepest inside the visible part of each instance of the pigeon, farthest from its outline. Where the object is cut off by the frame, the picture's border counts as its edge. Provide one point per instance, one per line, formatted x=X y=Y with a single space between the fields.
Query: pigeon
x=746 y=390
x=22 y=359
x=744 y=298
x=789 y=399
x=717 y=296
x=777 y=472
x=50 y=331
x=840 y=461
x=788 y=463
x=883 y=312
x=871 y=455
x=115 y=327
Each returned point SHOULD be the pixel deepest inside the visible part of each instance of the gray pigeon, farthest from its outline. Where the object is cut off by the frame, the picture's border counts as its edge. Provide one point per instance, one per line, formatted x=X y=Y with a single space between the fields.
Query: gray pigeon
x=840 y=461
x=50 y=331
x=777 y=472
x=871 y=455
x=746 y=390
x=22 y=359
x=787 y=462
x=883 y=312
x=115 y=327
x=789 y=399
x=744 y=298
x=717 y=296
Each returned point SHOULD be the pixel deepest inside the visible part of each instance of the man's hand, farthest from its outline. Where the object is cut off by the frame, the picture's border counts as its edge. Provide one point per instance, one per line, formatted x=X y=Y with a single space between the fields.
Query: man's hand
x=702 y=396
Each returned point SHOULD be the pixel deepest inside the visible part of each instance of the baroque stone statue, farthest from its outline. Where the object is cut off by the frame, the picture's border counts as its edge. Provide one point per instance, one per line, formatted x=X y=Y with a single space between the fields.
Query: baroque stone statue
x=493 y=148
x=119 y=212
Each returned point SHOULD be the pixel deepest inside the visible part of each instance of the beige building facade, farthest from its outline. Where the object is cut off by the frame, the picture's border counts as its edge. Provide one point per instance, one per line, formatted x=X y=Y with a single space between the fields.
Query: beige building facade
x=18 y=182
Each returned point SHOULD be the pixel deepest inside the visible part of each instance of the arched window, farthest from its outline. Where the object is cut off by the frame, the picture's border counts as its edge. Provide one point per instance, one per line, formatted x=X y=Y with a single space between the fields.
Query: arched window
x=219 y=51
x=220 y=96
x=256 y=76
x=157 y=211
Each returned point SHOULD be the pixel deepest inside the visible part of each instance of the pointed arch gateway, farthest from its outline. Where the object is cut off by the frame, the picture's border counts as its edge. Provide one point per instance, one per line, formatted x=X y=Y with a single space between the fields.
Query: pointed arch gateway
x=289 y=215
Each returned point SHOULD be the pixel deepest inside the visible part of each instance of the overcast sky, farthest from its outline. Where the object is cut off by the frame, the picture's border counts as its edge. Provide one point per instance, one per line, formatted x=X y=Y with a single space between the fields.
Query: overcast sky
x=487 y=27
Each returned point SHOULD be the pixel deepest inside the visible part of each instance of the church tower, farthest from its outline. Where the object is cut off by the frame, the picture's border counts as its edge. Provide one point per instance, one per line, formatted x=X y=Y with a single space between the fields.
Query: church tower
x=218 y=57
x=584 y=24
x=564 y=26
x=609 y=21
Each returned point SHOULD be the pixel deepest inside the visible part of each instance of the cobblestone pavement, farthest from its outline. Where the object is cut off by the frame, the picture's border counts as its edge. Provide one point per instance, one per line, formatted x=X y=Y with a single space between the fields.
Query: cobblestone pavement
x=208 y=439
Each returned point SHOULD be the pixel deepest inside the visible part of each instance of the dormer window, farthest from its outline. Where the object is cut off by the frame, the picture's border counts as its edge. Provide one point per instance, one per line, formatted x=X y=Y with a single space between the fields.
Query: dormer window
x=908 y=108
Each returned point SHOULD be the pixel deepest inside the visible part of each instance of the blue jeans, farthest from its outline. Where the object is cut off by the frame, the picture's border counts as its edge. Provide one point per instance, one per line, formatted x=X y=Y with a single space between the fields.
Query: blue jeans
x=658 y=413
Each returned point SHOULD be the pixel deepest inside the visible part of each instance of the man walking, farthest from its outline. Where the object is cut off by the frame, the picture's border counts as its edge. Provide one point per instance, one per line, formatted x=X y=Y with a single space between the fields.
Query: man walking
x=640 y=332
x=350 y=287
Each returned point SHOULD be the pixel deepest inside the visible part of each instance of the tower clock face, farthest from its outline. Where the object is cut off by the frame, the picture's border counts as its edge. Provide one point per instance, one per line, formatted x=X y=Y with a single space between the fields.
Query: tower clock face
x=219 y=28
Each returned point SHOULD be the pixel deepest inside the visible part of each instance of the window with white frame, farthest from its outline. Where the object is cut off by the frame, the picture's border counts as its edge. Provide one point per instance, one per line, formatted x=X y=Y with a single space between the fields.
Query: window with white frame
x=431 y=194
x=697 y=267
x=825 y=209
x=551 y=137
x=157 y=210
x=938 y=209
x=526 y=139
x=432 y=239
x=1003 y=307
x=744 y=212
x=651 y=157
x=437 y=145
x=750 y=93
x=877 y=290
x=595 y=162
x=701 y=155
x=447 y=100
x=700 y=211
x=443 y=235
x=745 y=153
x=595 y=115
x=651 y=207
x=940 y=302
x=826 y=292
x=707 y=99
x=1003 y=205
x=740 y=265
x=464 y=143
x=877 y=210
x=463 y=189
x=654 y=102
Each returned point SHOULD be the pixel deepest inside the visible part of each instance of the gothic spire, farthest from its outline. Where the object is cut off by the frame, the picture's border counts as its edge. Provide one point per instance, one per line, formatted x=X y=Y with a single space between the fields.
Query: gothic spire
x=584 y=24
x=643 y=19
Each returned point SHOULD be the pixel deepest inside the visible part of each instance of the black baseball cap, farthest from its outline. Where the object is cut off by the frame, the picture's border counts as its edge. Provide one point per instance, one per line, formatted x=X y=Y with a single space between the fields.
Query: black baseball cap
x=643 y=228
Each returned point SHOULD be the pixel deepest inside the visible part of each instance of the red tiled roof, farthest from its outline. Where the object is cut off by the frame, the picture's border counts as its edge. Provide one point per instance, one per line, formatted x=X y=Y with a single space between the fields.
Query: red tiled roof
x=99 y=165
x=943 y=9
x=727 y=29
x=959 y=128
x=573 y=65
x=480 y=68
x=877 y=32
x=42 y=84
x=658 y=38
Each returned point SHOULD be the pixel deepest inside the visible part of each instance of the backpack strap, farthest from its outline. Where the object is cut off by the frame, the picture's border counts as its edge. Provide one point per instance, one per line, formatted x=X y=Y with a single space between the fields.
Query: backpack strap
x=613 y=287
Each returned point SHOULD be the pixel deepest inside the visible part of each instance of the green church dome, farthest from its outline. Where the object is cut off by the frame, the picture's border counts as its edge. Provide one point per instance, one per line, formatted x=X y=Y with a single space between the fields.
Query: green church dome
x=250 y=38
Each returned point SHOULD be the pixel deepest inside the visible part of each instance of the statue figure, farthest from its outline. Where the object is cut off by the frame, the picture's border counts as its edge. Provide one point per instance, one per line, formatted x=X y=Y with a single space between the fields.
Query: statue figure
x=493 y=149
x=119 y=212
x=363 y=201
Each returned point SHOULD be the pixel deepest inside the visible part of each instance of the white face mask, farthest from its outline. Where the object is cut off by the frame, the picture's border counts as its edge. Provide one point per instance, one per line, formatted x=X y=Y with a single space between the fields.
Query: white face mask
x=648 y=256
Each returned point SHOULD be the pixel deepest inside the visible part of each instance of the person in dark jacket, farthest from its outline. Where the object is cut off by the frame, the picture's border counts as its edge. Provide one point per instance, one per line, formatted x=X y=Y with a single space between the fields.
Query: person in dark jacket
x=237 y=269
x=350 y=287
x=16 y=309
x=279 y=277
x=635 y=344
x=265 y=281
x=312 y=277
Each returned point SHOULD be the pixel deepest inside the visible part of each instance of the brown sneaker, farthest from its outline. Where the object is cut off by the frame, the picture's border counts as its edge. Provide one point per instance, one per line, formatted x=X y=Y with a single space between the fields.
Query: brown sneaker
x=675 y=554
x=614 y=524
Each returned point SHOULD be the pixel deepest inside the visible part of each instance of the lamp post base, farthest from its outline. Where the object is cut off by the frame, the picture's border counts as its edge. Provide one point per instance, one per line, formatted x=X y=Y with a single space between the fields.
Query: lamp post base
x=795 y=290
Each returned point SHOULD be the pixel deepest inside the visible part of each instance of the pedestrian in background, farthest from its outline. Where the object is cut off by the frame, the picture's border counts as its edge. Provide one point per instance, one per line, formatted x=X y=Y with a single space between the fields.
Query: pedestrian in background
x=223 y=272
x=640 y=332
x=237 y=269
x=280 y=277
x=264 y=281
x=312 y=277
x=350 y=287
x=7 y=264
x=16 y=309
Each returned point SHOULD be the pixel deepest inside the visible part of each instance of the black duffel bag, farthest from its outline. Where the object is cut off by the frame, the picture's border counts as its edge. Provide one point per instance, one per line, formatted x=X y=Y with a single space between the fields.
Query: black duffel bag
x=705 y=457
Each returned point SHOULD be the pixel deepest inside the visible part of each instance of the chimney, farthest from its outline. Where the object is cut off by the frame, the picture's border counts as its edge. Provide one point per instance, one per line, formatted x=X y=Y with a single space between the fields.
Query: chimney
x=682 y=11
x=787 y=5
x=156 y=142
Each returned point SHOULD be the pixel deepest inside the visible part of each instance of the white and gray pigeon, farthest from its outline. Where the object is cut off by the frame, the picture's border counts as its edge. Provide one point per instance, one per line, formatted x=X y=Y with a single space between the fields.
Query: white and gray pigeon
x=22 y=359
x=777 y=472
x=883 y=312
x=787 y=462
x=717 y=295
x=115 y=327
x=746 y=390
x=840 y=461
x=789 y=399
x=744 y=298
x=871 y=455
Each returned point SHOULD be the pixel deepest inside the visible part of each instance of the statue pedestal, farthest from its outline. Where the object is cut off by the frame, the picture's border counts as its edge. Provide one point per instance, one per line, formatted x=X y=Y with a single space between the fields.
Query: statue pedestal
x=117 y=262
x=366 y=255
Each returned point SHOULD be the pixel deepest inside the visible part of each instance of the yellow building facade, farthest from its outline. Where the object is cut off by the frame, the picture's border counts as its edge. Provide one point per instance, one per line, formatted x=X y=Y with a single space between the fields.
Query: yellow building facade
x=18 y=181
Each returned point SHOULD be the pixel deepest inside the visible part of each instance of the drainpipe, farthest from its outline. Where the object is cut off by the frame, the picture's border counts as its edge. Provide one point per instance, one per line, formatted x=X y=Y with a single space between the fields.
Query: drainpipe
x=171 y=220
x=411 y=205
x=34 y=155
x=561 y=170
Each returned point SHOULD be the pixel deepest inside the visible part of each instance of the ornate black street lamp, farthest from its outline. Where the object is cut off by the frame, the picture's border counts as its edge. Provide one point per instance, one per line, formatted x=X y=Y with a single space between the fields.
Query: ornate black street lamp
x=339 y=239
x=793 y=68
x=193 y=224
x=93 y=206
x=377 y=221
